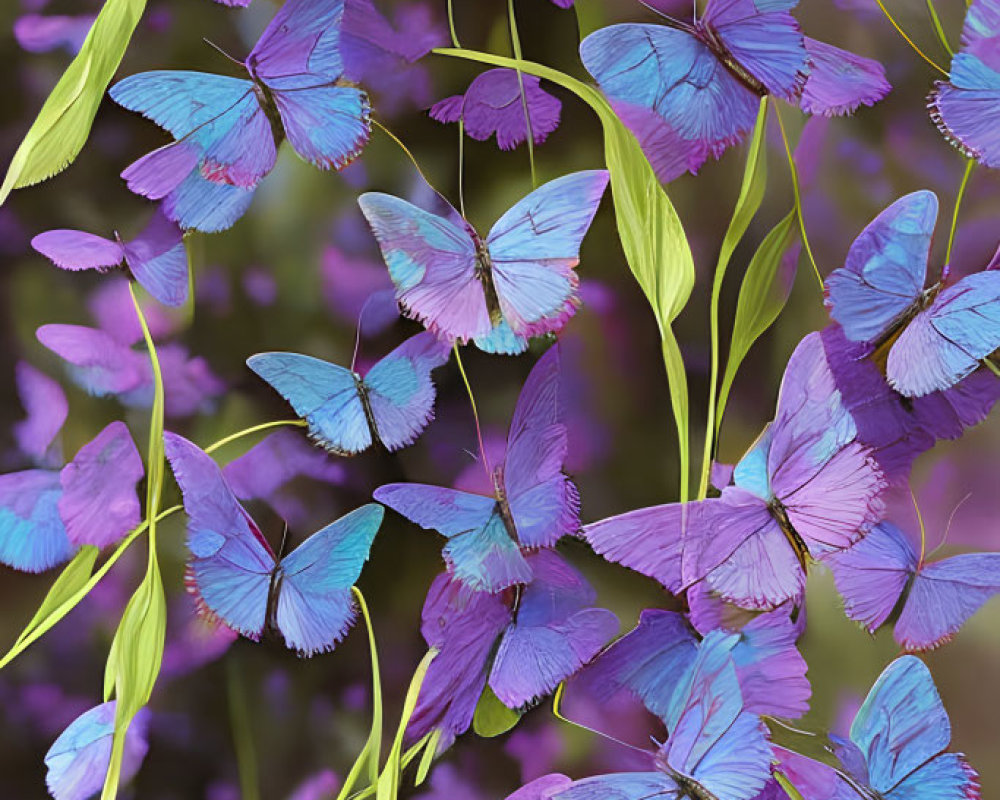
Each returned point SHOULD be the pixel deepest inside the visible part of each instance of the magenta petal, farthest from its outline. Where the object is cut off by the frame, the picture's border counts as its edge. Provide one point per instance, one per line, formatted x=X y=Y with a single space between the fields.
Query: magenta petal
x=99 y=504
x=840 y=81
x=47 y=407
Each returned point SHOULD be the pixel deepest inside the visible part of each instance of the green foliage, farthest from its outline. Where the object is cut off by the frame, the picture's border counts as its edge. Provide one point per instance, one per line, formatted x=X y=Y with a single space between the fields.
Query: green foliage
x=59 y=132
x=747 y=204
x=787 y=785
x=430 y=745
x=651 y=233
x=492 y=717
x=762 y=297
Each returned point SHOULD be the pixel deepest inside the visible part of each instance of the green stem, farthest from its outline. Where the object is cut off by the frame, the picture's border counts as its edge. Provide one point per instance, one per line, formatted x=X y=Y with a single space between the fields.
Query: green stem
x=798 y=197
x=515 y=41
x=969 y=164
x=475 y=413
x=239 y=721
x=910 y=41
x=939 y=28
x=299 y=423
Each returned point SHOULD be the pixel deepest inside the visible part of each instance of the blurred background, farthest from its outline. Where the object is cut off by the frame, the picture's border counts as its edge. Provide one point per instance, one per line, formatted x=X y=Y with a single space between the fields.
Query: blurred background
x=292 y=275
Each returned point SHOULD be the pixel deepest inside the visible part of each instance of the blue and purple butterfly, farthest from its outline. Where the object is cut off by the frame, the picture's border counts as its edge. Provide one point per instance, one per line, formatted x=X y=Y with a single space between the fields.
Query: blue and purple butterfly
x=883 y=577
x=533 y=503
x=805 y=489
x=966 y=107
x=46 y=514
x=520 y=643
x=688 y=90
x=156 y=258
x=236 y=577
x=715 y=748
x=347 y=412
x=897 y=748
x=929 y=338
x=500 y=291
x=227 y=130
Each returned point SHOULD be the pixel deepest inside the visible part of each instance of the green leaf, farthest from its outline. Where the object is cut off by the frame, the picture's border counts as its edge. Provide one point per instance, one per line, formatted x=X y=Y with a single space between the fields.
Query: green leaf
x=388 y=782
x=430 y=751
x=787 y=785
x=60 y=131
x=747 y=204
x=762 y=297
x=651 y=233
x=492 y=717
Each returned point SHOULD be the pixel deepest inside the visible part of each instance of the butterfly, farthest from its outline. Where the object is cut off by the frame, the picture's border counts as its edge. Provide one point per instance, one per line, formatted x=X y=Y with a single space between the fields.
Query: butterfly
x=156 y=258
x=227 y=130
x=47 y=409
x=804 y=489
x=936 y=336
x=516 y=283
x=78 y=759
x=46 y=514
x=883 y=573
x=520 y=643
x=533 y=503
x=692 y=89
x=391 y=404
x=896 y=749
x=651 y=659
x=715 y=748
x=966 y=107
x=236 y=577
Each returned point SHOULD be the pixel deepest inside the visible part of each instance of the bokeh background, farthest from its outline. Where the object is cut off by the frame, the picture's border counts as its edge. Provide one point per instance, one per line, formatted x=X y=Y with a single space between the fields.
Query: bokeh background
x=291 y=275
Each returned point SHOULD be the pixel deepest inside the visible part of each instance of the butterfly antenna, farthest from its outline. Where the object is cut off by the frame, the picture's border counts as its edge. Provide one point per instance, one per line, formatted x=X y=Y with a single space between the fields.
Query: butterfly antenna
x=475 y=413
x=947 y=528
x=357 y=330
x=212 y=44
x=556 y=702
x=413 y=160
x=923 y=529
x=284 y=542
x=659 y=13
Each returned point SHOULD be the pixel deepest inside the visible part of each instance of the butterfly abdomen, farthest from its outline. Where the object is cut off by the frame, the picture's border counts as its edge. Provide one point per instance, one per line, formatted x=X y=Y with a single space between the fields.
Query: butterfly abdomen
x=780 y=513
x=714 y=43
x=366 y=404
x=484 y=273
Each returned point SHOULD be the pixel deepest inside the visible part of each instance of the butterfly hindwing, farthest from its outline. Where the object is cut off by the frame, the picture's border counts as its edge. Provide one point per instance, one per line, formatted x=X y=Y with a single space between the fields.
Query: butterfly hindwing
x=76 y=250
x=158 y=260
x=32 y=534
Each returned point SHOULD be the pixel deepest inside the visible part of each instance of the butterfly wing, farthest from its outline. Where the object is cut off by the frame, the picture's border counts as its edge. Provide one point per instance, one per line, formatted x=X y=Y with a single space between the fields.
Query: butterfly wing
x=764 y=39
x=677 y=77
x=401 y=392
x=76 y=250
x=943 y=596
x=543 y=501
x=555 y=631
x=47 y=407
x=535 y=246
x=769 y=667
x=325 y=395
x=946 y=777
x=328 y=126
x=97 y=361
x=300 y=46
x=276 y=460
x=464 y=627
x=966 y=107
x=620 y=786
x=432 y=262
x=840 y=81
x=315 y=607
x=158 y=260
x=946 y=342
x=872 y=575
x=480 y=552
x=99 y=504
x=202 y=205
x=648 y=661
x=32 y=535
x=885 y=270
x=230 y=563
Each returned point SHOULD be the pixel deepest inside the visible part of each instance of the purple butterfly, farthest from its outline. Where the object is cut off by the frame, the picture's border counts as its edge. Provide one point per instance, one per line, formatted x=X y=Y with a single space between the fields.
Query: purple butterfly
x=897 y=428
x=78 y=760
x=227 y=130
x=692 y=89
x=521 y=642
x=805 y=489
x=156 y=258
x=101 y=365
x=533 y=503
x=46 y=514
x=236 y=576
x=966 y=107
x=715 y=747
x=883 y=573
x=498 y=101
x=931 y=338
x=650 y=661
x=516 y=283
x=45 y=402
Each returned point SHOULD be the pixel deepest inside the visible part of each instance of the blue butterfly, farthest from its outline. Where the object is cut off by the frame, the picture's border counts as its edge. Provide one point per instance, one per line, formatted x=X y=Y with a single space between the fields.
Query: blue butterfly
x=227 y=130
x=346 y=412
x=936 y=336
x=306 y=596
